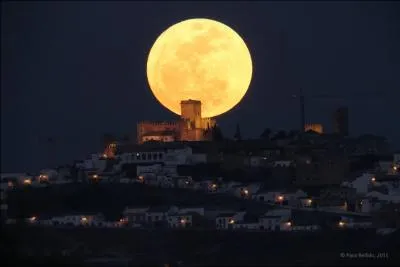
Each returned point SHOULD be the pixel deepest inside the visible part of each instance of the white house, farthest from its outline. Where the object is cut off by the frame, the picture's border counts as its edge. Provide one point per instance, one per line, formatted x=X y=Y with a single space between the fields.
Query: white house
x=257 y=161
x=209 y=186
x=181 y=219
x=284 y=213
x=277 y=219
x=270 y=222
x=198 y=210
x=245 y=191
x=225 y=221
x=139 y=157
x=227 y=186
x=388 y=198
x=136 y=214
x=305 y=202
x=373 y=201
x=269 y=196
x=282 y=163
x=391 y=182
x=159 y=214
x=385 y=165
x=79 y=219
x=211 y=213
x=247 y=225
x=10 y=180
x=148 y=169
x=396 y=158
x=178 y=156
x=94 y=161
x=293 y=197
x=302 y=227
x=184 y=181
x=361 y=184
x=48 y=176
x=349 y=222
x=197 y=158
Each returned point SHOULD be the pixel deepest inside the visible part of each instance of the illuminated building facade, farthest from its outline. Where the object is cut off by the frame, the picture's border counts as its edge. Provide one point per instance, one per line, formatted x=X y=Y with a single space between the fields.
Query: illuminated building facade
x=315 y=127
x=190 y=127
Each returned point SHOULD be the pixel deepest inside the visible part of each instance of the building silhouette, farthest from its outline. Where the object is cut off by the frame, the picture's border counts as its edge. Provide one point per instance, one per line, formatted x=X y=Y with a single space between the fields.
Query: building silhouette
x=341 y=121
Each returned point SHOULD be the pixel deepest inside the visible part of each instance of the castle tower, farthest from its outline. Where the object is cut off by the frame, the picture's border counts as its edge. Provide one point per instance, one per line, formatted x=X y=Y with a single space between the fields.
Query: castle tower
x=191 y=113
x=192 y=128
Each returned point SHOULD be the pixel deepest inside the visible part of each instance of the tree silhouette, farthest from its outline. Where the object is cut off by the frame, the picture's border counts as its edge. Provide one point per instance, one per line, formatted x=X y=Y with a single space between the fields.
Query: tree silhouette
x=266 y=134
x=279 y=135
x=238 y=135
x=216 y=134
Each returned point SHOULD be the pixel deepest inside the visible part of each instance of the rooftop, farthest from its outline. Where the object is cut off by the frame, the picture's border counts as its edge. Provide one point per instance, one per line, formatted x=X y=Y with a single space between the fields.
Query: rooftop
x=226 y=215
x=159 y=209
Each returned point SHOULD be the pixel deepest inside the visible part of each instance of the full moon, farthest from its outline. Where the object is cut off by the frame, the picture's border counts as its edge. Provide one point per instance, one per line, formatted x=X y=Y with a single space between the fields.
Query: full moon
x=199 y=59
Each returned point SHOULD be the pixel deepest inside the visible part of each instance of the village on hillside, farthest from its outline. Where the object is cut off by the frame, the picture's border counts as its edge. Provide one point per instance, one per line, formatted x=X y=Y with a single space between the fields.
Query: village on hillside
x=283 y=183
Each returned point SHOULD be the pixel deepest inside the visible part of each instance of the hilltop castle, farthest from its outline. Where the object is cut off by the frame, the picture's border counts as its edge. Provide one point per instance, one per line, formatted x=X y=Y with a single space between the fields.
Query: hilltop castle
x=190 y=127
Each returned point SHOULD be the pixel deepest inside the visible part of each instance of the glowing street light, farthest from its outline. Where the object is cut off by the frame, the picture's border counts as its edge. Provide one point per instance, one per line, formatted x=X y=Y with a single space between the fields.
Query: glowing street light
x=231 y=221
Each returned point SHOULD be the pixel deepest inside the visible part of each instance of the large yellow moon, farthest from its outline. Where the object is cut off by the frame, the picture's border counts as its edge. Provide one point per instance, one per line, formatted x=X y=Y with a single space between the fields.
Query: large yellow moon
x=199 y=59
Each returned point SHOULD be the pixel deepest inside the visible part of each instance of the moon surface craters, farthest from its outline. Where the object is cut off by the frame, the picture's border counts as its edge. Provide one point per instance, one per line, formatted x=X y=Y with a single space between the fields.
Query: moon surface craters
x=198 y=59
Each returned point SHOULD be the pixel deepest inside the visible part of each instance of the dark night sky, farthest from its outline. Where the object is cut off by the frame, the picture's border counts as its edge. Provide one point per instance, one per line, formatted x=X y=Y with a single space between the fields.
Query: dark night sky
x=77 y=70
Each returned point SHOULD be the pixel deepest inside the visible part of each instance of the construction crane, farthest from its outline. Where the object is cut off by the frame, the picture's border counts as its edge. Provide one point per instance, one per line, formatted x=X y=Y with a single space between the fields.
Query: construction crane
x=302 y=97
